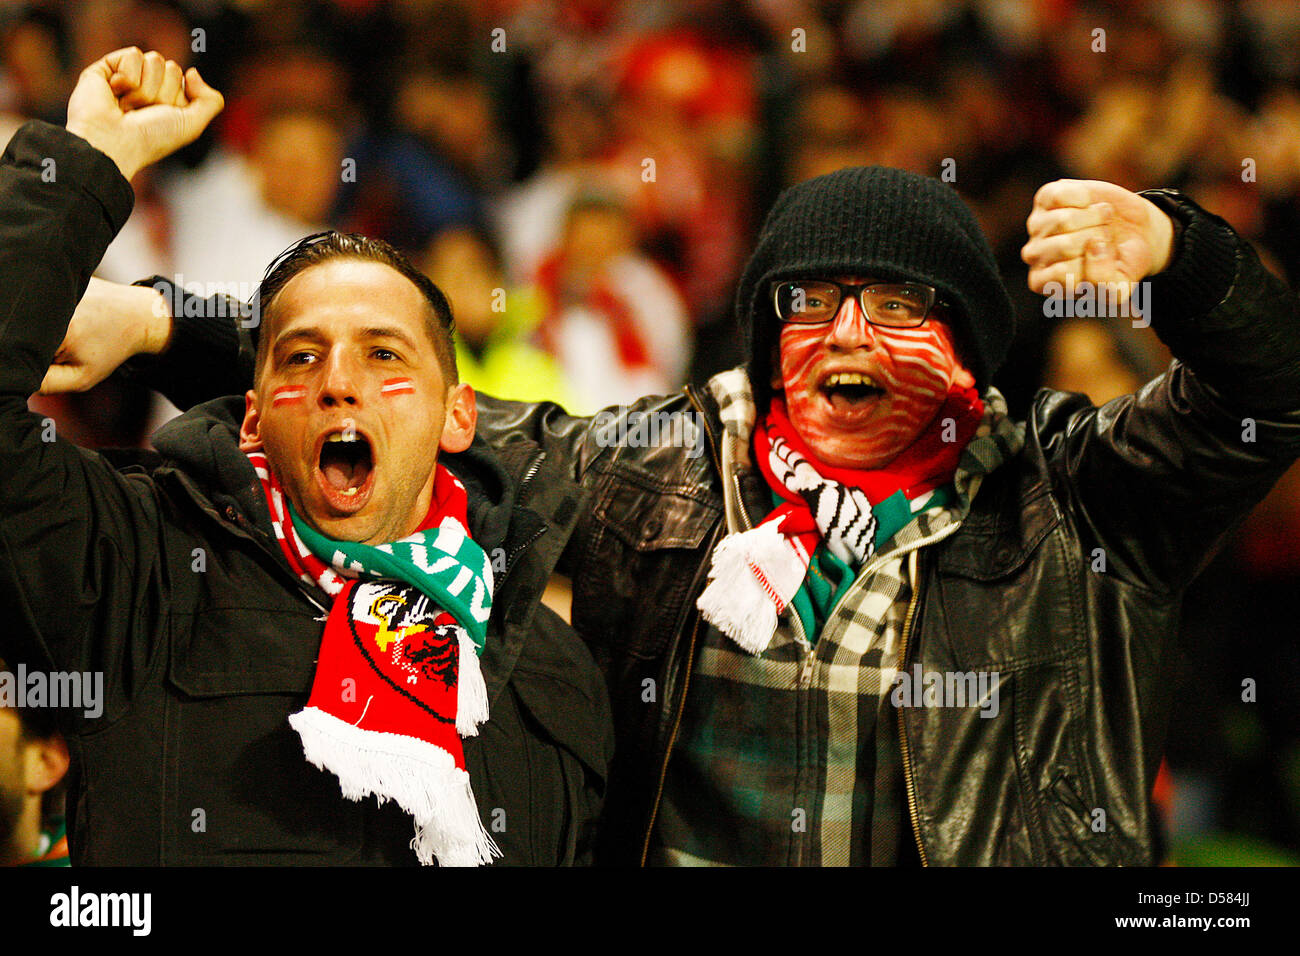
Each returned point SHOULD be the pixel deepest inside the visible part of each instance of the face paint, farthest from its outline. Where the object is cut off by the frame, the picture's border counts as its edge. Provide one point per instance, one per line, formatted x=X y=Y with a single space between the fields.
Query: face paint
x=288 y=394
x=397 y=386
x=908 y=372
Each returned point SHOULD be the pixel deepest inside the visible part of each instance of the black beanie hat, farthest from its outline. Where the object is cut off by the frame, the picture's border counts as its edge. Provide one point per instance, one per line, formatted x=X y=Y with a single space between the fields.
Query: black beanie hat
x=877 y=222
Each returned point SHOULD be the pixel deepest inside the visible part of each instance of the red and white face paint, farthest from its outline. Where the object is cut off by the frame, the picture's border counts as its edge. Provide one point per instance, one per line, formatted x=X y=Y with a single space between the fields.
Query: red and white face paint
x=909 y=371
x=288 y=395
x=397 y=386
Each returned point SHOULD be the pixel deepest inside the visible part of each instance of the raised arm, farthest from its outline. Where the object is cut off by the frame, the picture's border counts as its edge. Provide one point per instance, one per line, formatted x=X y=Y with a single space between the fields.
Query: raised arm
x=75 y=536
x=1157 y=478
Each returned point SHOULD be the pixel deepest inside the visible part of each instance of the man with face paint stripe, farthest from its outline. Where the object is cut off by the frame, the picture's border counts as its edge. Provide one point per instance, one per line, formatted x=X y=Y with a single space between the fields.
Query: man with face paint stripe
x=880 y=622
x=319 y=589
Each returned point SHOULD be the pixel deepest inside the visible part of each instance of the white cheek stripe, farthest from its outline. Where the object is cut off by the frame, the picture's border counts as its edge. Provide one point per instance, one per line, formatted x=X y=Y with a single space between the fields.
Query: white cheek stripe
x=288 y=393
x=397 y=386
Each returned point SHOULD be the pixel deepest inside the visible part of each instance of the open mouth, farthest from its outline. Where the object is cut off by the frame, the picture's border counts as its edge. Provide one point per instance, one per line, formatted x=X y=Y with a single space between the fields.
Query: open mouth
x=346 y=469
x=847 y=391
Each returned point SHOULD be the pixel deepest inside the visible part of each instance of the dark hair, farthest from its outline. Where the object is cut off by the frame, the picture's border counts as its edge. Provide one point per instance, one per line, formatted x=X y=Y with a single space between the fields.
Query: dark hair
x=325 y=246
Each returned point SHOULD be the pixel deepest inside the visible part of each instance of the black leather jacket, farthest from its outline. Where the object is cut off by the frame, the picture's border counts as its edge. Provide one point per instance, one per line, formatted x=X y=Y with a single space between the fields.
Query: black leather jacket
x=1154 y=480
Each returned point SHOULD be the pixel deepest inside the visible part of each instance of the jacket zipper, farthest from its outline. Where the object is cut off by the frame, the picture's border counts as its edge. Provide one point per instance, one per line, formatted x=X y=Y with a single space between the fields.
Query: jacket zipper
x=902 y=730
x=533 y=467
x=672 y=739
x=690 y=653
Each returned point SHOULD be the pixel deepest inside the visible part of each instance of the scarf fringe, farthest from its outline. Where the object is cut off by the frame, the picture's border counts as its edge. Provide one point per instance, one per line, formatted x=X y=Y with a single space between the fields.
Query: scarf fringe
x=753 y=576
x=421 y=777
x=471 y=690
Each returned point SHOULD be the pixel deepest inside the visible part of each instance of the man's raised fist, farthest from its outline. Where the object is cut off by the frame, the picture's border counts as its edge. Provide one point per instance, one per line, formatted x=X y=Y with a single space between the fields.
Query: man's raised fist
x=139 y=107
x=1083 y=230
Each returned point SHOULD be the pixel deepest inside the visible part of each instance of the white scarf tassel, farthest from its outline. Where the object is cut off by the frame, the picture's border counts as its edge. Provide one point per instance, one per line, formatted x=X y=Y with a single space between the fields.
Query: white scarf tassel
x=421 y=777
x=471 y=691
x=735 y=602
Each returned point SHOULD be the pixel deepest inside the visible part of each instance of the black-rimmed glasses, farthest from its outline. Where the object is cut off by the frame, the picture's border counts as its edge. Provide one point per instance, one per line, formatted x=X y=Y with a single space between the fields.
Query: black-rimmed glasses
x=895 y=305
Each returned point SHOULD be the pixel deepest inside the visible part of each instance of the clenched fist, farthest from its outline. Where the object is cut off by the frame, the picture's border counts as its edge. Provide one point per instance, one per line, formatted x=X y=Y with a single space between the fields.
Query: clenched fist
x=1082 y=230
x=138 y=107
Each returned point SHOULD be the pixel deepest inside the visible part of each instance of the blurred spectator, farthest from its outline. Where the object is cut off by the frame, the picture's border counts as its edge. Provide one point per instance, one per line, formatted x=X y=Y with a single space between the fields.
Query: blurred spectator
x=492 y=323
x=530 y=217
x=613 y=320
x=234 y=214
x=33 y=763
x=36 y=63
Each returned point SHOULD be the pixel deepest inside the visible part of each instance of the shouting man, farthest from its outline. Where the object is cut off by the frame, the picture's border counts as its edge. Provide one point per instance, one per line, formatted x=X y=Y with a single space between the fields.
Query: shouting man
x=881 y=622
x=318 y=589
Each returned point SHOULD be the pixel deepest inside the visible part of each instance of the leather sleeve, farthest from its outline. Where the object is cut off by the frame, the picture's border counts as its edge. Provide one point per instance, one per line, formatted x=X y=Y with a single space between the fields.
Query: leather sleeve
x=1156 y=479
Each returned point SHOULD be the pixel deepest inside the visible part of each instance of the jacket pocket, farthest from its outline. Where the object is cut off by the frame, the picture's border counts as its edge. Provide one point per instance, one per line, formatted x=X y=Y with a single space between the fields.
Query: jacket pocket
x=1073 y=823
x=1010 y=593
x=645 y=544
x=239 y=789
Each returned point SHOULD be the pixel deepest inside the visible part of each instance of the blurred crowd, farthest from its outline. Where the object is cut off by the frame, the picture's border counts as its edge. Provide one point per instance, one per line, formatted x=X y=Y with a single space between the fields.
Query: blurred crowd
x=585 y=177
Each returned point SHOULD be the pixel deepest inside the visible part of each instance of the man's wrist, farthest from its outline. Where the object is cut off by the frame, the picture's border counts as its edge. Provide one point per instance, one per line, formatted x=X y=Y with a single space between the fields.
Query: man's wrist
x=1163 y=241
x=128 y=166
x=157 y=314
x=1167 y=201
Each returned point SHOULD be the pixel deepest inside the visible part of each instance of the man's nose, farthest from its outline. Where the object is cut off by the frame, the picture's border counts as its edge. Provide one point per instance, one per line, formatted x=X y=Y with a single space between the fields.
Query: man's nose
x=850 y=328
x=340 y=382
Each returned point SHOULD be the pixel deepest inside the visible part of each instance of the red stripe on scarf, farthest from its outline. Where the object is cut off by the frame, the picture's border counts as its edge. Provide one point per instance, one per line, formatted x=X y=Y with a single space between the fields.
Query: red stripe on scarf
x=928 y=463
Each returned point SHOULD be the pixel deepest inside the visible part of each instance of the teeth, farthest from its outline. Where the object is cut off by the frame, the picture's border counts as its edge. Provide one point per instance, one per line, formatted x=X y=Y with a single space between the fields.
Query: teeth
x=341 y=436
x=349 y=491
x=849 y=378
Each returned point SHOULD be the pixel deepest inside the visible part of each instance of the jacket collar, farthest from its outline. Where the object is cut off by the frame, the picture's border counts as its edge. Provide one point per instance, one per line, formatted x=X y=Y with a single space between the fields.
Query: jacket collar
x=522 y=510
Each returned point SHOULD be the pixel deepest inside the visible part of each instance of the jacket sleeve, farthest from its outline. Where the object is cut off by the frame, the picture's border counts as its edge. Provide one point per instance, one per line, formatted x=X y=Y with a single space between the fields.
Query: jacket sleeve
x=572 y=440
x=76 y=538
x=1157 y=479
x=211 y=352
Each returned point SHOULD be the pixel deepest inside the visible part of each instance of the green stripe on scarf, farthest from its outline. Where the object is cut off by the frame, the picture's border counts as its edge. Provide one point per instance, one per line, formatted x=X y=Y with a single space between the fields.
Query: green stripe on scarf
x=418 y=562
x=829 y=578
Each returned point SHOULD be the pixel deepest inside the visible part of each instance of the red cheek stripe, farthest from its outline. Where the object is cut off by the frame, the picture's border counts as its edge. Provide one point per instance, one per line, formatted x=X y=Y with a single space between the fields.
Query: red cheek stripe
x=286 y=394
x=397 y=386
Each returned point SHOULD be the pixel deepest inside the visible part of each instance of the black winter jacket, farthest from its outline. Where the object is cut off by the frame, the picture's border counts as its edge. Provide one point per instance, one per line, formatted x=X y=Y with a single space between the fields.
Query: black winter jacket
x=1155 y=480
x=165 y=577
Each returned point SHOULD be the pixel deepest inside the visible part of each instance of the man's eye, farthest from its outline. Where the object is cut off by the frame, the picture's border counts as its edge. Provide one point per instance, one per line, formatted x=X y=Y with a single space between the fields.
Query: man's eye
x=300 y=358
x=385 y=355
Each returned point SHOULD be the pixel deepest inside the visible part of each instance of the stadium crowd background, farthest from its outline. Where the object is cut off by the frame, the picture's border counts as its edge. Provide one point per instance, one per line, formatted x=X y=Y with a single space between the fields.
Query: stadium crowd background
x=585 y=179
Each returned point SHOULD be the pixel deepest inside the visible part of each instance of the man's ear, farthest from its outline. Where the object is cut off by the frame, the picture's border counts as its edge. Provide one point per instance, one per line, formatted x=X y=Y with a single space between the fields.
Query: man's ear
x=462 y=418
x=250 y=432
x=44 y=763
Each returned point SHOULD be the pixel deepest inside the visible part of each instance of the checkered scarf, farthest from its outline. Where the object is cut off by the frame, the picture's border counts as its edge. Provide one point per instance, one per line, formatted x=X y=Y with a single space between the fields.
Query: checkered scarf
x=397 y=678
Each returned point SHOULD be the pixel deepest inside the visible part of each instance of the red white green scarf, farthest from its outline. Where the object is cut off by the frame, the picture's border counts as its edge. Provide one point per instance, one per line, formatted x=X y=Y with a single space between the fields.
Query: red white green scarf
x=397 y=677
x=756 y=573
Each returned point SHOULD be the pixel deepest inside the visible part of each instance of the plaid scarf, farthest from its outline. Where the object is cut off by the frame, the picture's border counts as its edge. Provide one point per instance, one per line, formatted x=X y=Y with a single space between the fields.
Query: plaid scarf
x=756 y=573
x=397 y=678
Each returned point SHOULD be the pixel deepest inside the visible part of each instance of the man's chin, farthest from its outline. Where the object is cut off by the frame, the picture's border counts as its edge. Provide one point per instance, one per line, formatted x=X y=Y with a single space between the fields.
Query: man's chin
x=354 y=527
